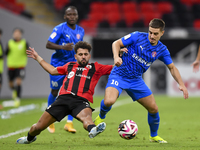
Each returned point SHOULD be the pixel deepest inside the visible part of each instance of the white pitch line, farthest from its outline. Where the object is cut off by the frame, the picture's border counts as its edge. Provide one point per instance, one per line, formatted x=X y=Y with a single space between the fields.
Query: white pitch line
x=117 y=104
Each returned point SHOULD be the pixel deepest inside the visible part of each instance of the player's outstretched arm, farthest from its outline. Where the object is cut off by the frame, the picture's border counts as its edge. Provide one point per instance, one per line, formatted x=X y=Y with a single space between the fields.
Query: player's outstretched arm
x=196 y=63
x=176 y=75
x=49 y=68
x=53 y=46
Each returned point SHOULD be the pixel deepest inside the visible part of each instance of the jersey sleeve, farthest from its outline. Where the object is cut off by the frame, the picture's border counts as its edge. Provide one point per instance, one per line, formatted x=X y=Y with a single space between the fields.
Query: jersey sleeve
x=129 y=39
x=62 y=70
x=55 y=35
x=166 y=57
x=104 y=69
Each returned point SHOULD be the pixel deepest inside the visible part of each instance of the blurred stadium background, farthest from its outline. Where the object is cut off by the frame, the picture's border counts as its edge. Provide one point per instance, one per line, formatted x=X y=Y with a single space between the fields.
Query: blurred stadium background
x=105 y=21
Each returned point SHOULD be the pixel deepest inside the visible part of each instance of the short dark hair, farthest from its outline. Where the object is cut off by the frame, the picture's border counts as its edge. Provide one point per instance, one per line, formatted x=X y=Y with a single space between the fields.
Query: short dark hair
x=157 y=23
x=72 y=7
x=18 y=29
x=83 y=45
x=1 y=32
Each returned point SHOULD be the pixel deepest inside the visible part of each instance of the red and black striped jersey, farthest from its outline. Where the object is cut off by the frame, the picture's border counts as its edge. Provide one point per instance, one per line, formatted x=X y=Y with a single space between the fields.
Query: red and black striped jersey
x=81 y=81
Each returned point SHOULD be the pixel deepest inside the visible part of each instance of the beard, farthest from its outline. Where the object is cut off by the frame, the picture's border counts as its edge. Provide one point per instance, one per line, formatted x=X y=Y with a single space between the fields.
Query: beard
x=83 y=64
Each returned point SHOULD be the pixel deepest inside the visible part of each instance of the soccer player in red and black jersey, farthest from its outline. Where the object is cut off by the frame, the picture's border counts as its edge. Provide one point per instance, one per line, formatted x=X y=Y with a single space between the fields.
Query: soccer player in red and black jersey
x=74 y=95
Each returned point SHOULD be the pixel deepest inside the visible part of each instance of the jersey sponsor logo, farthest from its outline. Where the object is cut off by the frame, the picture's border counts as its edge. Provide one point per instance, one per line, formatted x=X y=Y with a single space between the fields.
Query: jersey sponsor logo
x=68 y=36
x=154 y=54
x=141 y=60
x=82 y=75
x=89 y=66
x=53 y=35
x=71 y=74
x=78 y=36
x=81 y=69
x=54 y=84
x=127 y=36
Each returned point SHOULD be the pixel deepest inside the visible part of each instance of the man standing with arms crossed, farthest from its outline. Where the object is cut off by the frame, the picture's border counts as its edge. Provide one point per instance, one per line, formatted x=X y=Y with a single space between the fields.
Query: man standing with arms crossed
x=62 y=40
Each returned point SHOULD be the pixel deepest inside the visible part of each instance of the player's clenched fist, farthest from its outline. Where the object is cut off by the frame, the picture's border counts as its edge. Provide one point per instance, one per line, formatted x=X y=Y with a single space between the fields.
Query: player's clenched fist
x=117 y=61
x=68 y=46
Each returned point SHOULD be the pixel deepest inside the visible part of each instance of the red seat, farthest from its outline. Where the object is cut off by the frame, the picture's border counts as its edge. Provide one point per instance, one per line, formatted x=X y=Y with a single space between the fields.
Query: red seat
x=16 y=8
x=148 y=16
x=96 y=7
x=88 y=24
x=128 y=6
x=11 y=1
x=196 y=24
x=196 y=2
x=113 y=18
x=164 y=7
x=60 y=4
x=147 y=7
x=97 y=16
x=131 y=17
x=111 y=7
x=188 y=2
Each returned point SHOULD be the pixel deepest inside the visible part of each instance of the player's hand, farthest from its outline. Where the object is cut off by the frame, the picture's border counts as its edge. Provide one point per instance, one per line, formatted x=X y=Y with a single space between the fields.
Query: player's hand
x=185 y=91
x=68 y=46
x=195 y=65
x=122 y=51
x=32 y=53
x=117 y=61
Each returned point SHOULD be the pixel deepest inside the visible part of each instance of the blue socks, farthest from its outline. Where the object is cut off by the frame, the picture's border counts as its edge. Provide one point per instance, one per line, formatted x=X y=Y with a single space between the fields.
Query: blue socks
x=104 y=110
x=153 y=120
x=70 y=118
x=51 y=99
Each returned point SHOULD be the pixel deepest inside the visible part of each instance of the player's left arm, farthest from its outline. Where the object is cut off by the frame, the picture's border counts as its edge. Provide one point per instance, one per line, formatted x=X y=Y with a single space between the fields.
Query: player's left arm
x=46 y=66
x=176 y=75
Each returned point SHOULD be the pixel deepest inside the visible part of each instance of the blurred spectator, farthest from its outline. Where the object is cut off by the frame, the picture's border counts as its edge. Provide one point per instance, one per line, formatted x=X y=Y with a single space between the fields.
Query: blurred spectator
x=16 y=62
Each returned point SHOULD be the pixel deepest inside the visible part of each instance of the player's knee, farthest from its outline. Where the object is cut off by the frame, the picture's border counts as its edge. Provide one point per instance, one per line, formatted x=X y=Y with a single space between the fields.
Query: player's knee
x=153 y=110
x=54 y=92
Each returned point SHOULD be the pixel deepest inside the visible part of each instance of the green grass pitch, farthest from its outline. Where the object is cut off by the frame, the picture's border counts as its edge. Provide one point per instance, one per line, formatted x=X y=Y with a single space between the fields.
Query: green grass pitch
x=179 y=125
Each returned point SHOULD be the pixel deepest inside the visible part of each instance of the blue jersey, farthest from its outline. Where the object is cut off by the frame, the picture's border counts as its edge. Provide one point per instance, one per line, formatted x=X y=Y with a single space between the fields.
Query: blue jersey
x=61 y=35
x=141 y=54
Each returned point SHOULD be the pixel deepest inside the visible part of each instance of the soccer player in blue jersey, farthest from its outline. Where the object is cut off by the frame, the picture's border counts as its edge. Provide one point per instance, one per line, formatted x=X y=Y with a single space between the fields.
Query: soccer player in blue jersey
x=143 y=50
x=62 y=39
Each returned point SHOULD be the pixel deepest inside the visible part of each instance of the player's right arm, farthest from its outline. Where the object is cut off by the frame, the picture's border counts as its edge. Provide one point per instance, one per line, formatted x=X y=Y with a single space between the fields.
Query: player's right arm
x=196 y=63
x=116 y=46
x=46 y=66
x=54 y=38
x=53 y=46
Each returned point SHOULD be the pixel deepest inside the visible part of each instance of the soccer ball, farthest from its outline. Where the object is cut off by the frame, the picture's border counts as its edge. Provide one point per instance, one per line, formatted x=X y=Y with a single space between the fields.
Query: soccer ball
x=127 y=129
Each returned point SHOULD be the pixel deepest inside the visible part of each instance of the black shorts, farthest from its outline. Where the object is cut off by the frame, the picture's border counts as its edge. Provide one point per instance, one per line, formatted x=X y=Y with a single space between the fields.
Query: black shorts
x=67 y=104
x=14 y=73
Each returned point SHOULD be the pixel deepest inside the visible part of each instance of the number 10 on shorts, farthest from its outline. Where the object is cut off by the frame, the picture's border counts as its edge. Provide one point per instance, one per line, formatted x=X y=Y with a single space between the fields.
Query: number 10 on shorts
x=115 y=82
